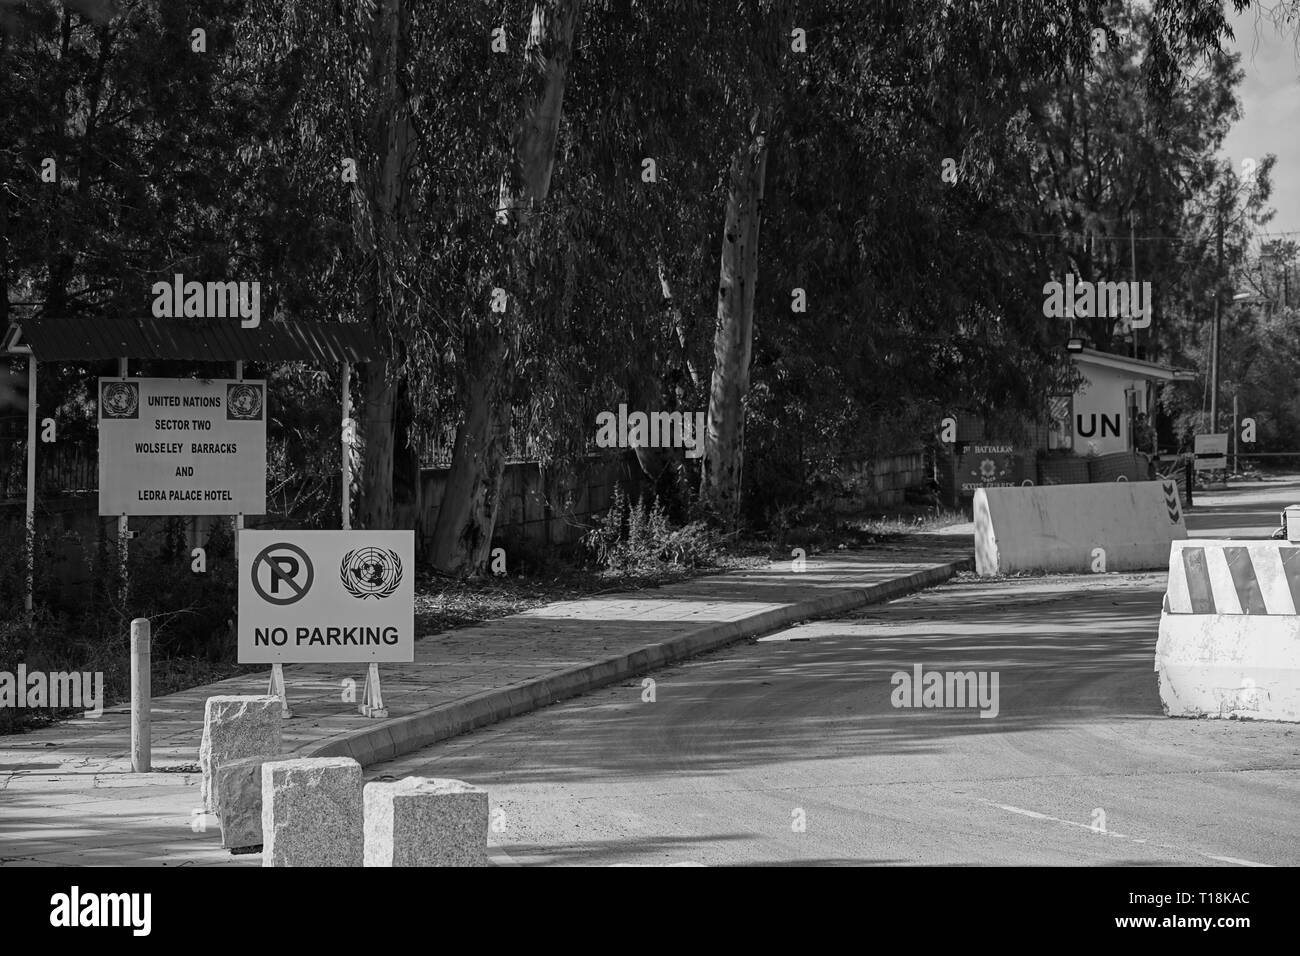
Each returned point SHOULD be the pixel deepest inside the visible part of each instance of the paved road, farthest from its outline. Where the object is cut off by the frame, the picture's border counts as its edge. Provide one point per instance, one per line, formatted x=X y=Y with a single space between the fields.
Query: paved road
x=789 y=750
x=1243 y=510
x=734 y=744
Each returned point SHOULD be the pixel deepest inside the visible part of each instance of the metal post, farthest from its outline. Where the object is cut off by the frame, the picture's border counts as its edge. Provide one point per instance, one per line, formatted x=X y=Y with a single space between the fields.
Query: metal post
x=346 y=497
x=1133 y=262
x=372 y=701
x=276 y=688
x=1236 y=431
x=239 y=518
x=140 y=691
x=31 y=486
x=123 y=523
x=1191 y=475
x=1218 y=294
x=1214 y=369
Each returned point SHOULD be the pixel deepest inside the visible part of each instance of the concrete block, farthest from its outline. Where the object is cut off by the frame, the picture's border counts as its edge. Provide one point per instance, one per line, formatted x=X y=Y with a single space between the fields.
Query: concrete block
x=1061 y=527
x=421 y=821
x=312 y=812
x=236 y=727
x=1241 y=667
x=239 y=794
x=1229 y=643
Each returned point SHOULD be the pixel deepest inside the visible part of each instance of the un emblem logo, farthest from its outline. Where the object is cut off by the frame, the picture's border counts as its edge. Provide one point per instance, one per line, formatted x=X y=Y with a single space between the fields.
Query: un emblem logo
x=371 y=572
x=120 y=400
x=243 y=403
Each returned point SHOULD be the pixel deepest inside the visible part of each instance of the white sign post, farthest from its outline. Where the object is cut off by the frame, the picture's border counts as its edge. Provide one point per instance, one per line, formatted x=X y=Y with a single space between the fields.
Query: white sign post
x=327 y=597
x=182 y=446
x=1211 y=452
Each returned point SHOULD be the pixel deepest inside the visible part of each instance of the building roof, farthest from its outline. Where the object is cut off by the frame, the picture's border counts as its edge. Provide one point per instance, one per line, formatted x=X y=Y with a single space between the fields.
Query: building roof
x=1134 y=366
x=199 y=340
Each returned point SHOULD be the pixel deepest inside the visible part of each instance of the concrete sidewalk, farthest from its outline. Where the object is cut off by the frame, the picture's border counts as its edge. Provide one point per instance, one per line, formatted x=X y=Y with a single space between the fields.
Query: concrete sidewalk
x=67 y=795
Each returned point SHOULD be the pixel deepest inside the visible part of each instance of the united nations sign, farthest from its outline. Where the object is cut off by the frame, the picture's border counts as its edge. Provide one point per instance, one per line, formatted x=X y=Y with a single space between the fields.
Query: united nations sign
x=326 y=596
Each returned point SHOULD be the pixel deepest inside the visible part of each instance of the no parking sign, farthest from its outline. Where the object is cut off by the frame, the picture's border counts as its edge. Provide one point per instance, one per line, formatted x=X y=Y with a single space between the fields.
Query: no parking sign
x=326 y=596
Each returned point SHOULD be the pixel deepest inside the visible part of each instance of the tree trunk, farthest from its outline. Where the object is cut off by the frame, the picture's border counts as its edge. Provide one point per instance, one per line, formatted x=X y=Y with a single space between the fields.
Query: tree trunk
x=462 y=537
x=376 y=511
x=467 y=516
x=381 y=216
x=646 y=394
x=733 y=337
x=408 y=495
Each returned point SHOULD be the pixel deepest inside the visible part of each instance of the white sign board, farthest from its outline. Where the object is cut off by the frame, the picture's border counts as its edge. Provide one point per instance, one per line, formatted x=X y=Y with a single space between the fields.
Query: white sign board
x=180 y=446
x=1211 y=452
x=326 y=596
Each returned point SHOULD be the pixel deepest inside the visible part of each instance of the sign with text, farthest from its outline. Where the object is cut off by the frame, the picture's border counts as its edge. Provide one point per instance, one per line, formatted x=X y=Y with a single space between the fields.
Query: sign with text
x=326 y=596
x=181 y=446
x=1211 y=452
x=992 y=464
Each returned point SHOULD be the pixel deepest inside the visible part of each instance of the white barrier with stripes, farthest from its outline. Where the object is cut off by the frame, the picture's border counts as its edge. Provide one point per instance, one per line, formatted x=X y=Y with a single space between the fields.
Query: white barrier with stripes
x=1108 y=526
x=1229 y=642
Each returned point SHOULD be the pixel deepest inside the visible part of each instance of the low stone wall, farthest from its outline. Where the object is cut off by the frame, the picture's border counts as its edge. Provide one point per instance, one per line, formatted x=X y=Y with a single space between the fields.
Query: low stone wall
x=1060 y=470
x=881 y=482
x=545 y=506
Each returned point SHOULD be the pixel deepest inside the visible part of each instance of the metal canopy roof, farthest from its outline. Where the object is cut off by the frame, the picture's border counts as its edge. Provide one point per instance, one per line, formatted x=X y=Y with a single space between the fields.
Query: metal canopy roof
x=199 y=340
x=1135 y=366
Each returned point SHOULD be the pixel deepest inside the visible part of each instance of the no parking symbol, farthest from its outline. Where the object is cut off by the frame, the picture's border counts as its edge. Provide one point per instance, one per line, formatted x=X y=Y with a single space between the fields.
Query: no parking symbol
x=287 y=572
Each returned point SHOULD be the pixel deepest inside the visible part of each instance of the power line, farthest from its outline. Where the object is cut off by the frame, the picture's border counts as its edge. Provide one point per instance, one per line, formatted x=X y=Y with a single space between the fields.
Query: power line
x=1119 y=237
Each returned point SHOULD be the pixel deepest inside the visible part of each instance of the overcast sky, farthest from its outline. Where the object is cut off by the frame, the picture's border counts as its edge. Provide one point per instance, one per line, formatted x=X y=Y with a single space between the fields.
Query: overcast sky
x=1270 y=122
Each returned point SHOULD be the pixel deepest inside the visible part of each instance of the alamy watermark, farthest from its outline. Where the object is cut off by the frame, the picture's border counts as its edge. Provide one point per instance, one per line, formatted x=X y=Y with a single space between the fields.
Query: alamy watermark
x=959 y=689
x=1081 y=299
x=651 y=430
x=76 y=909
x=60 y=690
x=212 y=300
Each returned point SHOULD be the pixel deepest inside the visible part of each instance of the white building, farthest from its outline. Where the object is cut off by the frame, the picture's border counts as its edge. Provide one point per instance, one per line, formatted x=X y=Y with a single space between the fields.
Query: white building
x=1098 y=418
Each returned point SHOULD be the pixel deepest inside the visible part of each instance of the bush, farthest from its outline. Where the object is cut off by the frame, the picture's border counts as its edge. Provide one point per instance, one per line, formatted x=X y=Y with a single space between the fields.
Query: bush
x=638 y=537
x=191 y=614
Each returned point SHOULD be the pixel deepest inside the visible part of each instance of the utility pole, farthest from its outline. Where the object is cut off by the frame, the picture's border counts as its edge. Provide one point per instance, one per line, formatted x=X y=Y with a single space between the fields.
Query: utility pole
x=1133 y=266
x=1214 y=331
x=1236 y=428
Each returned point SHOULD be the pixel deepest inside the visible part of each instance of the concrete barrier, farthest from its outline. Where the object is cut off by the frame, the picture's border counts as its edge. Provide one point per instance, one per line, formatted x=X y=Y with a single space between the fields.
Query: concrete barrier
x=236 y=727
x=1229 y=643
x=312 y=813
x=238 y=793
x=422 y=821
x=1115 y=526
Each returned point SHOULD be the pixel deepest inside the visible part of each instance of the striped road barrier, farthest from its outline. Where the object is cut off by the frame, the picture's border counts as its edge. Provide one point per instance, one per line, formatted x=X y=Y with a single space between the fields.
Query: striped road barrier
x=1229 y=643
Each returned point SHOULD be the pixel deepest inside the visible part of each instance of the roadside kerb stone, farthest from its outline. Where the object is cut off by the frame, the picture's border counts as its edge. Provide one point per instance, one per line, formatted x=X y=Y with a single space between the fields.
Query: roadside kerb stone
x=402 y=735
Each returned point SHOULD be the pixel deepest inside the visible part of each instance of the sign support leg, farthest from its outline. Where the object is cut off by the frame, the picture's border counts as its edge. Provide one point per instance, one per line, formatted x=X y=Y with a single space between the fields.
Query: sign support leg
x=373 y=701
x=277 y=689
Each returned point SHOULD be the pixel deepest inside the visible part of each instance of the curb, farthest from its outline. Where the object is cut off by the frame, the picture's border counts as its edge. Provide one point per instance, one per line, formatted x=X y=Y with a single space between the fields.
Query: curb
x=402 y=735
